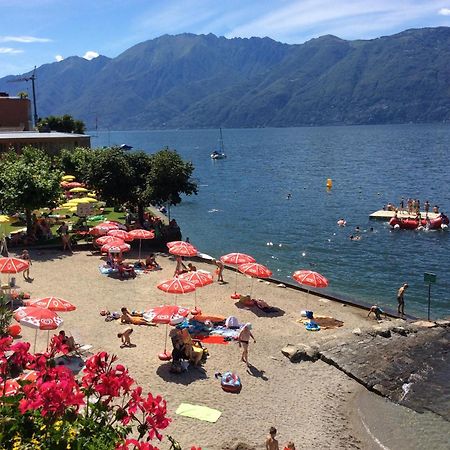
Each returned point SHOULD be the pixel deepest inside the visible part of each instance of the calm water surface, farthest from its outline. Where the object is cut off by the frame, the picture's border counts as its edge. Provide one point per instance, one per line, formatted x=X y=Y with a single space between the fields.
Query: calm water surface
x=242 y=203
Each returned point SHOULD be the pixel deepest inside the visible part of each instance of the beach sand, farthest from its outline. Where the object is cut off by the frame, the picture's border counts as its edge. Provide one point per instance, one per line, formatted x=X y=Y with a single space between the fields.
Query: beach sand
x=309 y=403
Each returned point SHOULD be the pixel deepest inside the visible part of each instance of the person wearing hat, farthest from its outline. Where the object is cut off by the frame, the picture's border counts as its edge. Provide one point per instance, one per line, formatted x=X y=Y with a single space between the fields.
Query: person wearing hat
x=244 y=339
x=401 y=299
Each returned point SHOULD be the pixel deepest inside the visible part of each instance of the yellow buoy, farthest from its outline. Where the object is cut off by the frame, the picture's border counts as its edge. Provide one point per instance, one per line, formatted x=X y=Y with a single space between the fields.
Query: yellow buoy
x=329 y=183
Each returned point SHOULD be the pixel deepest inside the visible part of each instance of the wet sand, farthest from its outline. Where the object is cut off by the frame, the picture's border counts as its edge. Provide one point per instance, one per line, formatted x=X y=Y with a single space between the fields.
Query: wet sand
x=311 y=404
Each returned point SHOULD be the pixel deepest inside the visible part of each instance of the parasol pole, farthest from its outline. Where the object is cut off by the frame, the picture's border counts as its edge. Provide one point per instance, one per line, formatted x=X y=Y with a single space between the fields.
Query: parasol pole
x=35 y=337
x=165 y=341
x=140 y=243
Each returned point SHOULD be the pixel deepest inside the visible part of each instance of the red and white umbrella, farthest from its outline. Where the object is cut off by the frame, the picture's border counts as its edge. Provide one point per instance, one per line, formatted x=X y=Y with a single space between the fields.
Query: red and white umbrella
x=310 y=278
x=121 y=234
x=37 y=318
x=9 y=388
x=103 y=228
x=176 y=286
x=30 y=376
x=235 y=259
x=182 y=249
x=172 y=243
x=141 y=234
x=254 y=270
x=199 y=279
x=115 y=248
x=52 y=303
x=13 y=265
x=166 y=314
x=102 y=240
x=119 y=225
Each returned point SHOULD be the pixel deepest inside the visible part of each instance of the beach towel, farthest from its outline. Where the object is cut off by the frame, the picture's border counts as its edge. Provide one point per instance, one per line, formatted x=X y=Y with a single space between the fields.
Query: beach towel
x=198 y=412
x=212 y=339
x=106 y=270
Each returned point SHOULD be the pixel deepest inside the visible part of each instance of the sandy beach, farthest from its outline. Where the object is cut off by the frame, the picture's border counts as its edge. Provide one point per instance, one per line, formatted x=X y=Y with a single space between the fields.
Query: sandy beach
x=309 y=403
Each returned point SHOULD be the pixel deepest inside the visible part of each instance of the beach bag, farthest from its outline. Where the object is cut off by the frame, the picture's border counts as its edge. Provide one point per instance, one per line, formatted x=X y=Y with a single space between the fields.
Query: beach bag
x=232 y=322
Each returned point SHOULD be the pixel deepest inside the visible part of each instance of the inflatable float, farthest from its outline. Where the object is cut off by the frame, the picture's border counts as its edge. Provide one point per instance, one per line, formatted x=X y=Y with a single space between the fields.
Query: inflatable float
x=312 y=326
x=412 y=224
x=229 y=381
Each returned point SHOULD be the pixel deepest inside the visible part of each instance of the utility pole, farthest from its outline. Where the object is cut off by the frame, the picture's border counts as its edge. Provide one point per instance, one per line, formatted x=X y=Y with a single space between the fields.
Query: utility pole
x=32 y=78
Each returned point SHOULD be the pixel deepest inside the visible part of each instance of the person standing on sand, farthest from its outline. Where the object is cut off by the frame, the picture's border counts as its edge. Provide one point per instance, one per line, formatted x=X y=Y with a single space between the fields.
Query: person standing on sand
x=401 y=299
x=219 y=270
x=271 y=441
x=63 y=230
x=244 y=339
x=26 y=273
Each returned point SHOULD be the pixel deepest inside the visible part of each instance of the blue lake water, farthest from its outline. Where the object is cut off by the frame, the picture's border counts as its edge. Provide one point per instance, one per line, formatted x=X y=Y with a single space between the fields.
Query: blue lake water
x=242 y=203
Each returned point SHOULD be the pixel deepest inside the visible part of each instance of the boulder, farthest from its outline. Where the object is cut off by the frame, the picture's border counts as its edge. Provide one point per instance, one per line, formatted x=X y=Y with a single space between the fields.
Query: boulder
x=300 y=352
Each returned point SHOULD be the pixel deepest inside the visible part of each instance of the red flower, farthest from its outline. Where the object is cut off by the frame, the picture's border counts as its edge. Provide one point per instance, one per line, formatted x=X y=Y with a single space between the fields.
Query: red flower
x=136 y=445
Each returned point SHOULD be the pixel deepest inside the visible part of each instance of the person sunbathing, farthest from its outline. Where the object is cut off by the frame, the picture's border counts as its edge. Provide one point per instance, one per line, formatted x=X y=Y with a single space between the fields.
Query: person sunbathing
x=126 y=269
x=150 y=262
x=128 y=318
x=68 y=340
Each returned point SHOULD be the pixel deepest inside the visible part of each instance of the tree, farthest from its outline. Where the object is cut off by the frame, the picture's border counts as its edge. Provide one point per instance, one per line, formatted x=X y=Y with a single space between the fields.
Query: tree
x=77 y=162
x=28 y=181
x=169 y=177
x=64 y=124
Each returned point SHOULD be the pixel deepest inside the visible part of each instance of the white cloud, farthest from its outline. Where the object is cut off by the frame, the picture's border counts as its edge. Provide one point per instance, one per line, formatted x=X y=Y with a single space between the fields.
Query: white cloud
x=90 y=55
x=10 y=50
x=59 y=58
x=444 y=12
x=23 y=39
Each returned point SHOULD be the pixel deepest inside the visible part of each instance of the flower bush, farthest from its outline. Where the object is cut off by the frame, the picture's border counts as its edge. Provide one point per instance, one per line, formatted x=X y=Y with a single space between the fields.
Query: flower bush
x=101 y=409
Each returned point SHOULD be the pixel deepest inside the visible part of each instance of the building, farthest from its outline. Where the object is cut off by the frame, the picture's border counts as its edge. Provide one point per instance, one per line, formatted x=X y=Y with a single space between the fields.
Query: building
x=15 y=113
x=52 y=142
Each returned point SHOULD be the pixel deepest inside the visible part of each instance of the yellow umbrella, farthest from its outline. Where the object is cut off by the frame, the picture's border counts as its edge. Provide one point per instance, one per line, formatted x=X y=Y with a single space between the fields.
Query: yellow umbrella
x=87 y=200
x=68 y=205
x=92 y=194
x=5 y=219
x=78 y=189
x=83 y=200
x=74 y=209
x=68 y=178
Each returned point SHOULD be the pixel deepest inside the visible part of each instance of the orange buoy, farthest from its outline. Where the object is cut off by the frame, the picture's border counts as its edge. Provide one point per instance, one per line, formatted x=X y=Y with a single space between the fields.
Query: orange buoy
x=329 y=183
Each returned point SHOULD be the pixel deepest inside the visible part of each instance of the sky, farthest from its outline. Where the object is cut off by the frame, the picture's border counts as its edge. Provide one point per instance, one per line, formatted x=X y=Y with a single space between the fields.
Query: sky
x=36 y=32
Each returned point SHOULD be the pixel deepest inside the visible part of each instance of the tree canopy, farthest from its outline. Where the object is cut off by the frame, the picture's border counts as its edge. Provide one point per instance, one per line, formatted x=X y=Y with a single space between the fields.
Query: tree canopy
x=28 y=181
x=64 y=124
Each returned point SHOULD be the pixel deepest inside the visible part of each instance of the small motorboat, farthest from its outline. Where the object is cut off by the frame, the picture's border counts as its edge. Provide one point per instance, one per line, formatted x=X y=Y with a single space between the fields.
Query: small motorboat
x=219 y=154
x=412 y=224
x=125 y=147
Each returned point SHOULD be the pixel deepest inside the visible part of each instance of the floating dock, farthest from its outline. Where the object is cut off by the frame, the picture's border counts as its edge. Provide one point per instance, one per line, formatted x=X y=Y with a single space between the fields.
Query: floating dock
x=388 y=215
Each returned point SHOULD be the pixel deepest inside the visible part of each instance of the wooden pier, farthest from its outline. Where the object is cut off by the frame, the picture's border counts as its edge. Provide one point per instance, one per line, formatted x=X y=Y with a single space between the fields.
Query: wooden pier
x=388 y=215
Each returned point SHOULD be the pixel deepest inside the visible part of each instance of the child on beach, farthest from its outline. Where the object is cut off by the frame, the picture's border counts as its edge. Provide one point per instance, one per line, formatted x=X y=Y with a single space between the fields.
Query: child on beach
x=289 y=446
x=125 y=336
x=271 y=441
x=219 y=270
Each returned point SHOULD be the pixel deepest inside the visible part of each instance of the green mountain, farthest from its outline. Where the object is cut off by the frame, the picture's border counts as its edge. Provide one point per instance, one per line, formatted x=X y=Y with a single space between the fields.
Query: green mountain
x=207 y=81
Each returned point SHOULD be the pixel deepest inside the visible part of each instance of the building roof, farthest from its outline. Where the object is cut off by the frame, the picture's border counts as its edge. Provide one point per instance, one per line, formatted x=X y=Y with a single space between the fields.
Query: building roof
x=36 y=135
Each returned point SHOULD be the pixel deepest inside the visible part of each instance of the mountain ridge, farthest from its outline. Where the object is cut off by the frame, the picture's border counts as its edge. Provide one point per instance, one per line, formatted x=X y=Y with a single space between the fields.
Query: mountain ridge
x=192 y=81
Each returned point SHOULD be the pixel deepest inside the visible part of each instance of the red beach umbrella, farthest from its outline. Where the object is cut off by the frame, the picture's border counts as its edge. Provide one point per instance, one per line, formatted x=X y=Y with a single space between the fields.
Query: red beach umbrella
x=28 y=376
x=141 y=234
x=37 y=318
x=13 y=265
x=254 y=270
x=9 y=388
x=176 y=286
x=52 y=303
x=310 y=278
x=167 y=314
x=236 y=259
x=172 y=243
x=112 y=240
x=121 y=234
x=199 y=279
x=115 y=248
x=102 y=228
x=183 y=249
